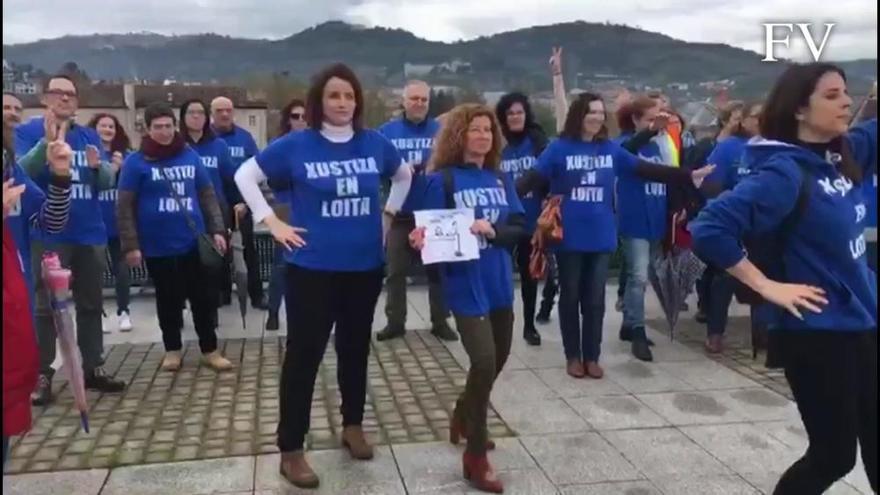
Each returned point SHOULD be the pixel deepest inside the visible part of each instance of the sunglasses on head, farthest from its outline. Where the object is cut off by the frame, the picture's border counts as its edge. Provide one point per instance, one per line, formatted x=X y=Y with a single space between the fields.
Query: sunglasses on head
x=296 y=116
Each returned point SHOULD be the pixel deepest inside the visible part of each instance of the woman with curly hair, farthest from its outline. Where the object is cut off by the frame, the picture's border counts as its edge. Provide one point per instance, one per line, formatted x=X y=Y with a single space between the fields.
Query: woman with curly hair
x=465 y=173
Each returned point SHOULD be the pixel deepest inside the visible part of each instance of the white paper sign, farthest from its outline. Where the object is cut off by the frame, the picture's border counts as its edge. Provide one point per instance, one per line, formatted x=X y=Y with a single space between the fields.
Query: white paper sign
x=448 y=236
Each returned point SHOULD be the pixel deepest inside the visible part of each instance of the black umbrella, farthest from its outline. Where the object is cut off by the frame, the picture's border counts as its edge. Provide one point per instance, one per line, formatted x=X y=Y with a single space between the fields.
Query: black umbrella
x=240 y=273
x=673 y=276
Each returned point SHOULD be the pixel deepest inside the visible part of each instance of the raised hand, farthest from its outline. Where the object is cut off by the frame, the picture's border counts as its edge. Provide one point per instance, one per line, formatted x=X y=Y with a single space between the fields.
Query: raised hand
x=556 y=61
x=58 y=153
x=116 y=163
x=93 y=156
x=660 y=122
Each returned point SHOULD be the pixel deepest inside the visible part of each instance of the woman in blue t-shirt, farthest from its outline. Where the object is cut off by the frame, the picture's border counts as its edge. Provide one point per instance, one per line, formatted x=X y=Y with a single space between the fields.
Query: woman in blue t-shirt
x=166 y=202
x=115 y=147
x=293 y=118
x=466 y=173
x=583 y=166
x=804 y=197
x=334 y=254
x=525 y=142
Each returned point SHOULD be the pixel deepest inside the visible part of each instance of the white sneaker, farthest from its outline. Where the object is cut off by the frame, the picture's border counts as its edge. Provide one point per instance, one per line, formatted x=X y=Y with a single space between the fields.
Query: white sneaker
x=125 y=322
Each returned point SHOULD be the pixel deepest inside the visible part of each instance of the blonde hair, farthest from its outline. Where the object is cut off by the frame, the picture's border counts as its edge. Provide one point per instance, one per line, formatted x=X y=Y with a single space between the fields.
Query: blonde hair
x=449 y=146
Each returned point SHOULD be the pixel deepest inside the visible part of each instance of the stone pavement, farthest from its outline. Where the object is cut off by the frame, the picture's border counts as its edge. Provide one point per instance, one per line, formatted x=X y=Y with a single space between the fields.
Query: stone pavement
x=684 y=424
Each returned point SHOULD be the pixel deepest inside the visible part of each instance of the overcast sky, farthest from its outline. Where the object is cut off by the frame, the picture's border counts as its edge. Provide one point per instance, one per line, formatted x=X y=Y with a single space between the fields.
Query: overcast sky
x=736 y=22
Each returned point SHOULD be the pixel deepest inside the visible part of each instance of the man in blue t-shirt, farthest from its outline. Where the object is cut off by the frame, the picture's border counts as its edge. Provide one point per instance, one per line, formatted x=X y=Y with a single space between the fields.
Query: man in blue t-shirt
x=81 y=245
x=413 y=136
x=241 y=147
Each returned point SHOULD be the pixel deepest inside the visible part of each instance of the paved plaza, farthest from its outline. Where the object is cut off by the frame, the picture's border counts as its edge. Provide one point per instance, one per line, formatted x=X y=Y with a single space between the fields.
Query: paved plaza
x=685 y=424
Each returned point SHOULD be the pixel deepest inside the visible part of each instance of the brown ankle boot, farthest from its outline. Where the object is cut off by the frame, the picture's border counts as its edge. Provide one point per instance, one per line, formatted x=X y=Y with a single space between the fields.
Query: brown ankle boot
x=354 y=440
x=594 y=370
x=575 y=369
x=296 y=470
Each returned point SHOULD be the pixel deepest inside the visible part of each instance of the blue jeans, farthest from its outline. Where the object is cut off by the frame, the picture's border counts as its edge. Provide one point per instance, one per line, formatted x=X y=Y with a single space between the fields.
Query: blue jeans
x=638 y=254
x=121 y=273
x=582 y=278
x=720 y=296
x=277 y=281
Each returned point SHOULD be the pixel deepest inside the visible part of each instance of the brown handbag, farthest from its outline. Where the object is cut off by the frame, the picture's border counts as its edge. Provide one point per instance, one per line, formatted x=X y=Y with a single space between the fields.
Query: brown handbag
x=547 y=233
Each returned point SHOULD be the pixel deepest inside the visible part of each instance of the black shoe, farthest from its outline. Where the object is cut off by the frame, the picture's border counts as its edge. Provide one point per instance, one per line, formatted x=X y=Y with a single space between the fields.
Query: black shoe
x=389 y=333
x=543 y=316
x=99 y=381
x=642 y=351
x=443 y=332
x=272 y=321
x=626 y=335
x=42 y=396
x=531 y=336
x=261 y=303
x=701 y=317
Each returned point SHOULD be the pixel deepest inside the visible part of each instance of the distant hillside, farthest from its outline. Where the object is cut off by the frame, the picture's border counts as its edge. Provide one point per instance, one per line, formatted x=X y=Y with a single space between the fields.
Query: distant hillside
x=512 y=59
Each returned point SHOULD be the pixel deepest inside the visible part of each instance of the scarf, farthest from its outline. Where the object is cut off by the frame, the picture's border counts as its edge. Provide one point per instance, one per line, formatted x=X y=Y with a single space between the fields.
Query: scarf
x=155 y=152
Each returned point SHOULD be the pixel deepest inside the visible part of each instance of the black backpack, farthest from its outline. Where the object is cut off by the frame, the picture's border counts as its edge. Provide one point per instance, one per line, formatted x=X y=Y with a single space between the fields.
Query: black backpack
x=765 y=250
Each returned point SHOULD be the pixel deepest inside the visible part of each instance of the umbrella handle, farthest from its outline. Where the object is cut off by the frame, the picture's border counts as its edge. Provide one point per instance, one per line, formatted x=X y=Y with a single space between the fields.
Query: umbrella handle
x=237 y=228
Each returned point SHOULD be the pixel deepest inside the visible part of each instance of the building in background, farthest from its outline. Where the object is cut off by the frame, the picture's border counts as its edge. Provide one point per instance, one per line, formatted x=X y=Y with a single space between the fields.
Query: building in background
x=127 y=103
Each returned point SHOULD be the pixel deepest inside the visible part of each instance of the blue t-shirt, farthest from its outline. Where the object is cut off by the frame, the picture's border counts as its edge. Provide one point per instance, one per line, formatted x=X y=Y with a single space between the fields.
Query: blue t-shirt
x=86 y=224
x=515 y=161
x=20 y=219
x=241 y=147
x=218 y=162
x=334 y=196
x=476 y=287
x=730 y=162
x=870 y=194
x=414 y=142
x=108 y=204
x=161 y=224
x=826 y=249
x=641 y=204
x=584 y=173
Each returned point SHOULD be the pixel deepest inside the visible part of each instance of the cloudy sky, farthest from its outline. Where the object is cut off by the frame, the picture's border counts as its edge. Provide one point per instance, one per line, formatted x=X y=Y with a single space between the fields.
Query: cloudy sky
x=737 y=22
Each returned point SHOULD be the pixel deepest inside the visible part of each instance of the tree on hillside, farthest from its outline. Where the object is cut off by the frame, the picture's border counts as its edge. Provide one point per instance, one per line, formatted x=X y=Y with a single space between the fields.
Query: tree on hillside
x=441 y=102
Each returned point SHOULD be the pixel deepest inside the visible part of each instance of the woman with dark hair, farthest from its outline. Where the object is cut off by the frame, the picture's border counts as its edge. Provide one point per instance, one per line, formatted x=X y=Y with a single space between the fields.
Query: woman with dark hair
x=115 y=147
x=804 y=199
x=525 y=142
x=466 y=170
x=166 y=203
x=195 y=127
x=730 y=158
x=293 y=118
x=334 y=257
x=583 y=166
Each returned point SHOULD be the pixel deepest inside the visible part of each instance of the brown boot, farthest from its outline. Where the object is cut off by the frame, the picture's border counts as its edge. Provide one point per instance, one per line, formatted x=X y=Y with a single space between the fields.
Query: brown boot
x=296 y=470
x=594 y=370
x=172 y=361
x=575 y=368
x=353 y=439
x=715 y=344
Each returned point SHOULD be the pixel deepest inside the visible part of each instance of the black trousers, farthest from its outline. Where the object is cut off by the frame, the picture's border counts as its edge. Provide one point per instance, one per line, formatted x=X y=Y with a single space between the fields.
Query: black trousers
x=528 y=286
x=316 y=301
x=833 y=376
x=178 y=278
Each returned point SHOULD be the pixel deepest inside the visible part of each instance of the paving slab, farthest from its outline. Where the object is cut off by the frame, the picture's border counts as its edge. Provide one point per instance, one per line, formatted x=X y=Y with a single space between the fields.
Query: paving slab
x=183 y=478
x=579 y=458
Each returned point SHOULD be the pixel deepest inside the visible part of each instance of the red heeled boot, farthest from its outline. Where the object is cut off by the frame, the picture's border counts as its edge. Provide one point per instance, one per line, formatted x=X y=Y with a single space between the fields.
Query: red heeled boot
x=457 y=432
x=479 y=473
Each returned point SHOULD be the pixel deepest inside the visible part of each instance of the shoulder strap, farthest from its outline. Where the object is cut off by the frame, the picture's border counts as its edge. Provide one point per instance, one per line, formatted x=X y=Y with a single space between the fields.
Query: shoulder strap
x=448 y=187
x=790 y=223
x=189 y=220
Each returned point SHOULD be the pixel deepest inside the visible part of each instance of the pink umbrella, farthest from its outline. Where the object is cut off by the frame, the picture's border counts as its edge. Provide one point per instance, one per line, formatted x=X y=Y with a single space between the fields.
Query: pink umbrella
x=57 y=280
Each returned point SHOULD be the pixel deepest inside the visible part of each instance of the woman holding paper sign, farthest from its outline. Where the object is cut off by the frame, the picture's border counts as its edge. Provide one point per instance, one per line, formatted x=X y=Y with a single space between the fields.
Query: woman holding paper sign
x=334 y=259
x=583 y=165
x=466 y=173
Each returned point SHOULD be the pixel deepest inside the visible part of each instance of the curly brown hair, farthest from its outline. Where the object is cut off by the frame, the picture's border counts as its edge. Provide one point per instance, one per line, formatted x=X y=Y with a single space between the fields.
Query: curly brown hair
x=449 y=147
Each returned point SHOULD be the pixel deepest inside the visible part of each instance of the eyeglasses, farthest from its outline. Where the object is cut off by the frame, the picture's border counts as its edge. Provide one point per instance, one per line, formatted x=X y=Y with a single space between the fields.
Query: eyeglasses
x=296 y=116
x=61 y=92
